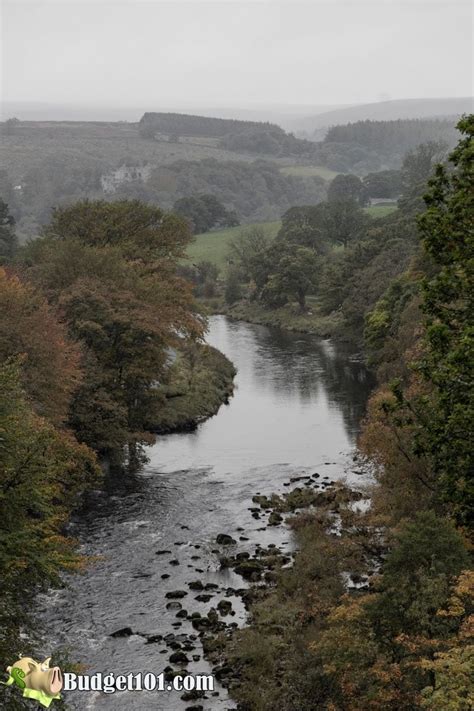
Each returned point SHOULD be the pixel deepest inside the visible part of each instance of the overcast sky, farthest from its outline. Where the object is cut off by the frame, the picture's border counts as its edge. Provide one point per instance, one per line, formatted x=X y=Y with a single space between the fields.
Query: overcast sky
x=227 y=53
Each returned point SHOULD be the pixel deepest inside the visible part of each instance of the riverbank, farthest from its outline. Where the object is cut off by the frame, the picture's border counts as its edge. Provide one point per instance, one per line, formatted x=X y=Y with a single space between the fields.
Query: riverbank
x=199 y=381
x=288 y=317
x=291 y=594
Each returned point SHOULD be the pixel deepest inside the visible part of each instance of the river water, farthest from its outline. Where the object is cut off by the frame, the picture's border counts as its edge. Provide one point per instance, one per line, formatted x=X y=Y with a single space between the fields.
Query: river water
x=296 y=410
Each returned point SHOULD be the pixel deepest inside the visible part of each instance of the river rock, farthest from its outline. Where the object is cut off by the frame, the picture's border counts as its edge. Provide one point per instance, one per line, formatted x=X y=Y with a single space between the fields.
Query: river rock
x=204 y=597
x=153 y=638
x=224 y=539
x=176 y=594
x=224 y=607
x=173 y=606
x=196 y=585
x=123 y=632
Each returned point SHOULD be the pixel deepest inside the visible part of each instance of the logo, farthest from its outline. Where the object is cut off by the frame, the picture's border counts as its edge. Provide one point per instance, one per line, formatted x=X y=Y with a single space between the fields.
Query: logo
x=37 y=680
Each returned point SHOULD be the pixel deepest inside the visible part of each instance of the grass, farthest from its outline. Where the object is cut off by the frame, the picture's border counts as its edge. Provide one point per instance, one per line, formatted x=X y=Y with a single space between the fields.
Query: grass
x=289 y=317
x=380 y=210
x=214 y=246
x=307 y=171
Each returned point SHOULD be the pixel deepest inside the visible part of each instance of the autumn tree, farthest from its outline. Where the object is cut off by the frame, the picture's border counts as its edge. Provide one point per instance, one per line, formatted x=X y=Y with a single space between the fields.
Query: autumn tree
x=31 y=330
x=43 y=471
x=111 y=270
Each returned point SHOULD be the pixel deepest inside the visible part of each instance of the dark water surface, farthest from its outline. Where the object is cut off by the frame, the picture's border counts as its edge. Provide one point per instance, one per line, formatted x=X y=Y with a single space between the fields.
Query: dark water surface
x=296 y=410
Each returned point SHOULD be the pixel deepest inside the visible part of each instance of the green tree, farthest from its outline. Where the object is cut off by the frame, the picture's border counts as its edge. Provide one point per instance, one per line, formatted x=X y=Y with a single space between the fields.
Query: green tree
x=233 y=289
x=348 y=187
x=448 y=236
x=8 y=240
x=295 y=273
x=345 y=221
x=383 y=184
x=205 y=212
x=251 y=252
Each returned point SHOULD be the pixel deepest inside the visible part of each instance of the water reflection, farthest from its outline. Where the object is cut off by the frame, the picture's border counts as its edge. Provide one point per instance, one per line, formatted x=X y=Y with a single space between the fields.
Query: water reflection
x=298 y=398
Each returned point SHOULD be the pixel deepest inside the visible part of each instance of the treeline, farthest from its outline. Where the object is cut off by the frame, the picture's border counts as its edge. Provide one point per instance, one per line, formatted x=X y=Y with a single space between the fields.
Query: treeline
x=257 y=191
x=388 y=136
x=367 y=146
x=152 y=123
x=398 y=635
x=93 y=314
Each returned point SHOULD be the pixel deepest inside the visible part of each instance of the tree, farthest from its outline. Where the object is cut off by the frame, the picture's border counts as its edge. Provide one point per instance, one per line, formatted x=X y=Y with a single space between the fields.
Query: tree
x=383 y=184
x=233 y=289
x=416 y=170
x=205 y=212
x=306 y=227
x=111 y=268
x=348 y=187
x=294 y=275
x=10 y=126
x=447 y=232
x=251 y=252
x=8 y=240
x=345 y=221
x=32 y=331
x=43 y=471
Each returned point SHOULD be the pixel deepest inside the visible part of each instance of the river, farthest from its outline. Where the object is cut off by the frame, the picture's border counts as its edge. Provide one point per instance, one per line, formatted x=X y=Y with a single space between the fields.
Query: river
x=296 y=410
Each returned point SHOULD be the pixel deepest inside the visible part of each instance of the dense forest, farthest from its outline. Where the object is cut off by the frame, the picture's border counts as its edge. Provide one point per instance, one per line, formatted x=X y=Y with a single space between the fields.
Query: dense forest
x=375 y=145
x=152 y=123
x=398 y=635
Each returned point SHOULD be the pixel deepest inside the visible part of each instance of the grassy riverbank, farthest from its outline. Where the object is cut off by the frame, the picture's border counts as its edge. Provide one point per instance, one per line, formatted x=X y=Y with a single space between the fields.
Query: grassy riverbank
x=288 y=317
x=198 y=383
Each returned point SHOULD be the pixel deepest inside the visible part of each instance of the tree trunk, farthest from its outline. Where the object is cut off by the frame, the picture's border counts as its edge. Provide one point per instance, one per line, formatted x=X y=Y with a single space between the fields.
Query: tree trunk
x=302 y=300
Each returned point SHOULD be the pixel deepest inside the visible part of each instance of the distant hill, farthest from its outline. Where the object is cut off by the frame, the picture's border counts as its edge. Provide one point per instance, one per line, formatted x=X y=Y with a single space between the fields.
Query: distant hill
x=285 y=115
x=314 y=126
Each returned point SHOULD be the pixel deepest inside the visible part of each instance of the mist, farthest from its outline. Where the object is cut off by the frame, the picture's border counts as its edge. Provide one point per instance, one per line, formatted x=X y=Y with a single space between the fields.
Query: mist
x=134 y=55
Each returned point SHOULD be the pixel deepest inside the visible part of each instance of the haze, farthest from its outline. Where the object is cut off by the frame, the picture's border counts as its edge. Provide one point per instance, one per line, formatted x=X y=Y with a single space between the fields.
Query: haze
x=184 y=54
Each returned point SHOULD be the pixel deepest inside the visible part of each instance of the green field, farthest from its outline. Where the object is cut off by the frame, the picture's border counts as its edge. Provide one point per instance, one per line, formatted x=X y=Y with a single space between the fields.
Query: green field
x=214 y=246
x=307 y=171
x=380 y=210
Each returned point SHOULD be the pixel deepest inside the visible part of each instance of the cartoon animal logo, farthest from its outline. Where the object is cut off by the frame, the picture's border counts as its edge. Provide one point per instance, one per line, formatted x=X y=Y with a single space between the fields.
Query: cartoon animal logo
x=37 y=680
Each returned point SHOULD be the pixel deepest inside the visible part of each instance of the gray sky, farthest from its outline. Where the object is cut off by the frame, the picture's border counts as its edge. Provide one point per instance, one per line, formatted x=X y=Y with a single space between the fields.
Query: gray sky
x=226 y=53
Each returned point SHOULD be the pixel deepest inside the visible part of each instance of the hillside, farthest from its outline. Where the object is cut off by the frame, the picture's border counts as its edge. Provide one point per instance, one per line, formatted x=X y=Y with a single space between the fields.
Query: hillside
x=49 y=163
x=384 y=111
x=99 y=143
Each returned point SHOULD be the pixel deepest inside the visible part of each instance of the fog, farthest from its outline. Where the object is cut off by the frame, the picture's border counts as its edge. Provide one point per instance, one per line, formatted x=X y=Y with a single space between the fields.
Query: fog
x=176 y=54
